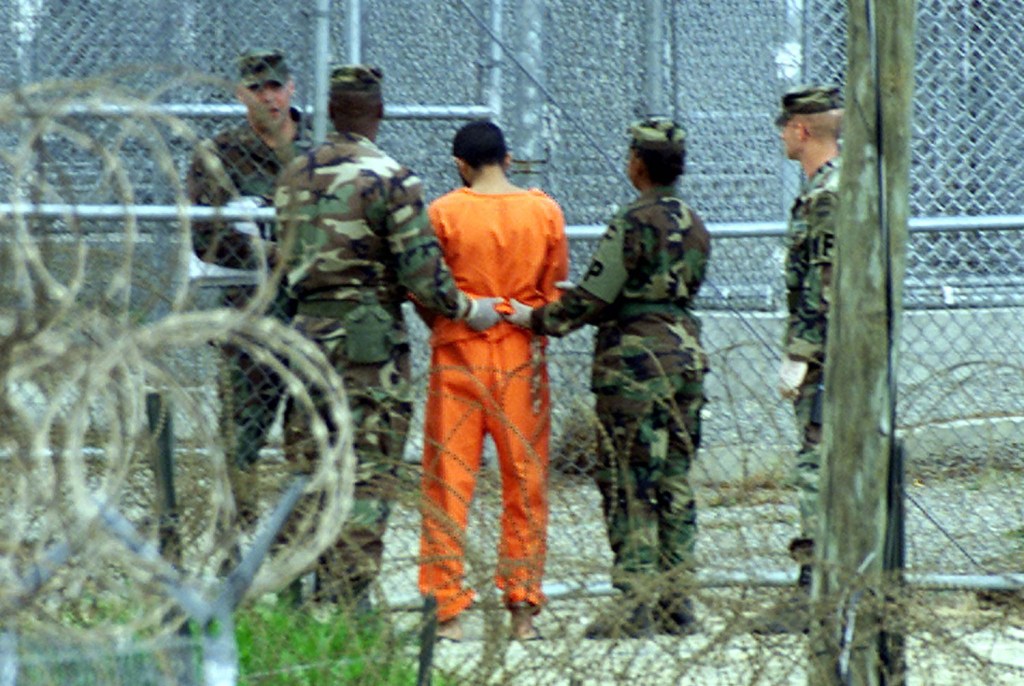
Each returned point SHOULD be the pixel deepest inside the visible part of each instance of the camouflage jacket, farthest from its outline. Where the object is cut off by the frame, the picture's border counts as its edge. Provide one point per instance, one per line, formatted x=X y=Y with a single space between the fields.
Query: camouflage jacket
x=355 y=222
x=638 y=290
x=810 y=247
x=236 y=163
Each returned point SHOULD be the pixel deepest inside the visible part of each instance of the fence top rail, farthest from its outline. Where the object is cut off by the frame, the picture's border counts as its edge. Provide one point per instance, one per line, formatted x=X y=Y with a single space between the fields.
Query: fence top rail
x=766 y=229
x=770 y=229
x=199 y=110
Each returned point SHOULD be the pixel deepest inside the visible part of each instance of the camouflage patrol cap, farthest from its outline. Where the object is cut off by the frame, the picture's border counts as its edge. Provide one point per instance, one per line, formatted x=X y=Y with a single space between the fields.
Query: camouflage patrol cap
x=809 y=100
x=258 y=67
x=362 y=78
x=657 y=133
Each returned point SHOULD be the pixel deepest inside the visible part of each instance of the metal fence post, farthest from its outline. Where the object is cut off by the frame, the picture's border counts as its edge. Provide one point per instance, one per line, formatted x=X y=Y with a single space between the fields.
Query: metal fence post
x=220 y=651
x=321 y=59
x=654 y=89
x=428 y=637
x=529 y=143
x=162 y=430
x=8 y=658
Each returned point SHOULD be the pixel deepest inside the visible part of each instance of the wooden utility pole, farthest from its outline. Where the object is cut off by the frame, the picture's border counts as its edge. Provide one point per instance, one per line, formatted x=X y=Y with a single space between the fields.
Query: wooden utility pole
x=851 y=584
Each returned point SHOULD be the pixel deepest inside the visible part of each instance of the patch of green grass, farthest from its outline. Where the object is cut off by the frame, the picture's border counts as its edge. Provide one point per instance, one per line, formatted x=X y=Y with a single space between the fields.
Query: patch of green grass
x=283 y=646
x=1016 y=535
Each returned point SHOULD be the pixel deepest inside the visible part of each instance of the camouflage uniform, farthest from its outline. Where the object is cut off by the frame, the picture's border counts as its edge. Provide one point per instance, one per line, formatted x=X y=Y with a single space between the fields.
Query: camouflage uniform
x=810 y=239
x=808 y=277
x=362 y=244
x=237 y=163
x=647 y=373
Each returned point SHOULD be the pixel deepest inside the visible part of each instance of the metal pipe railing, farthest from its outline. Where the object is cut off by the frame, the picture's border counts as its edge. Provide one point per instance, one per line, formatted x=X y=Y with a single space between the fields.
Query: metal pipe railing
x=197 y=110
x=558 y=590
x=768 y=229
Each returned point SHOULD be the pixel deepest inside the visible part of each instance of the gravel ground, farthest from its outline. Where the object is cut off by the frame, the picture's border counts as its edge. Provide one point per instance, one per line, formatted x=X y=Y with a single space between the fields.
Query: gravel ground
x=968 y=522
x=972 y=524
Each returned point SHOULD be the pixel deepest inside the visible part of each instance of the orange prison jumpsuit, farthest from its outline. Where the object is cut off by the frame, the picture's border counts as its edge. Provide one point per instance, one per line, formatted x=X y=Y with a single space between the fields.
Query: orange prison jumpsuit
x=514 y=246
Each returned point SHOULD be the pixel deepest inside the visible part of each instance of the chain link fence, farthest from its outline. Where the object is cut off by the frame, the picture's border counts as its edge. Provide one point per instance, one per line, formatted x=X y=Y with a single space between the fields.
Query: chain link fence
x=98 y=311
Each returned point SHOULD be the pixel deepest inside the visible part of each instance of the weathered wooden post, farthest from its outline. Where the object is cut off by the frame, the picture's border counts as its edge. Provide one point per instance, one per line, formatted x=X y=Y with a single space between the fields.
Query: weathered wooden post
x=860 y=387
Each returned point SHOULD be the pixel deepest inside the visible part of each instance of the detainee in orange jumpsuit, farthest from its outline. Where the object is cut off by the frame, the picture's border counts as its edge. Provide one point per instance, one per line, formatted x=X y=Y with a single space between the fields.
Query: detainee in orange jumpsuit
x=506 y=241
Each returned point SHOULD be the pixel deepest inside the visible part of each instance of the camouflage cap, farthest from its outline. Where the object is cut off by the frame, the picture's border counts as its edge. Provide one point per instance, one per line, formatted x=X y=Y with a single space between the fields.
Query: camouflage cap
x=657 y=133
x=356 y=77
x=809 y=100
x=258 y=67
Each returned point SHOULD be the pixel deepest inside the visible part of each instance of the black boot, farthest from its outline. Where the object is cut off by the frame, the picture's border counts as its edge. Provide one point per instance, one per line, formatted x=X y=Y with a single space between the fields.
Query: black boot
x=631 y=619
x=291 y=595
x=676 y=617
x=354 y=599
x=803 y=580
x=792 y=615
x=351 y=595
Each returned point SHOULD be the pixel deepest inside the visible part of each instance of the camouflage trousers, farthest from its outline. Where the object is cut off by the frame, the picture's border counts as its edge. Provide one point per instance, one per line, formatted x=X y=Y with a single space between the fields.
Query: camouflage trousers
x=379 y=398
x=807 y=466
x=249 y=394
x=650 y=432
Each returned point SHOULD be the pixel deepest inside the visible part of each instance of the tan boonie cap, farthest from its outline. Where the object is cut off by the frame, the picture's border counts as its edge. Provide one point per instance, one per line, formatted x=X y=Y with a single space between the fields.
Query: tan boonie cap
x=356 y=77
x=657 y=133
x=809 y=100
x=258 y=67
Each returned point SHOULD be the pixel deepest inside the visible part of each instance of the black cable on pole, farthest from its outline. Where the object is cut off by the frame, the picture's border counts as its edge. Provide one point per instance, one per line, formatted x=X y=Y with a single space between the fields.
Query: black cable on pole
x=891 y=644
x=890 y=299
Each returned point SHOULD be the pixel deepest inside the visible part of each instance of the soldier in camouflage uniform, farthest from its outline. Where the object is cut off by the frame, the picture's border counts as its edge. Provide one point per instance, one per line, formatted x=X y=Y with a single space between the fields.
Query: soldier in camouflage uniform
x=360 y=244
x=648 y=374
x=241 y=165
x=809 y=126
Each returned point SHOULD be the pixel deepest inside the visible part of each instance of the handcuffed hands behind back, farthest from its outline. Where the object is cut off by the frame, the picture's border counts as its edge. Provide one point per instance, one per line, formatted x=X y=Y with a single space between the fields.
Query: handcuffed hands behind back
x=482 y=315
x=520 y=315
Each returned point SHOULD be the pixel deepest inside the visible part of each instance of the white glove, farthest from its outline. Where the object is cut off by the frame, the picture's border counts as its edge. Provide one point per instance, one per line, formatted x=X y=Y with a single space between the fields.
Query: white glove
x=791 y=374
x=482 y=315
x=246 y=202
x=564 y=285
x=520 y=314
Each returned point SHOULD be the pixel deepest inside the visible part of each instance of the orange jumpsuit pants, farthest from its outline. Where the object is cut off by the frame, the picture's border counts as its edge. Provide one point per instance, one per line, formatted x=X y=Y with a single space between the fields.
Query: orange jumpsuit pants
x=477 y=387
x=495 y=383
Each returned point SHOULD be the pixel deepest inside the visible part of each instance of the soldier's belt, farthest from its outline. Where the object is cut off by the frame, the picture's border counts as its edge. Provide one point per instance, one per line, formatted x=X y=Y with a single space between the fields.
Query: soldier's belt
x=640 y=308
x=340 y=309
x=334 y=309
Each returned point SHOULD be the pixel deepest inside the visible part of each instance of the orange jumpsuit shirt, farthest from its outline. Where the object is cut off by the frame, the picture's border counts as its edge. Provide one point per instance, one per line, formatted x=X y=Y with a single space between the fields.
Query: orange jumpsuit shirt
x=493 y=382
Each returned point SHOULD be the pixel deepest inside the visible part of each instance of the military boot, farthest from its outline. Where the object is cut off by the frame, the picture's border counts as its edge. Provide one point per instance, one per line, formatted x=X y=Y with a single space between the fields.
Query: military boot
x=291 y=595
x=792 y=615
x=630 y=619
x=676 y=617
x=350 y=595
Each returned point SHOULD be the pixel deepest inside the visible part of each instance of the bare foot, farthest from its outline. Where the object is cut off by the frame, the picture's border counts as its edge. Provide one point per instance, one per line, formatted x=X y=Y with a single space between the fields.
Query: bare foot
x=522 y=628
x=450 y=630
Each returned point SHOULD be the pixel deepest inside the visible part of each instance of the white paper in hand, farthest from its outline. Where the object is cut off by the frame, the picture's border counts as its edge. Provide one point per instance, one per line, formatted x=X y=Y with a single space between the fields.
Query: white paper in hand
x=246 y=226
